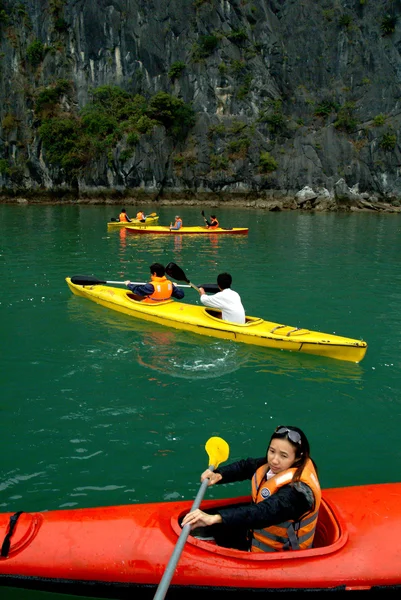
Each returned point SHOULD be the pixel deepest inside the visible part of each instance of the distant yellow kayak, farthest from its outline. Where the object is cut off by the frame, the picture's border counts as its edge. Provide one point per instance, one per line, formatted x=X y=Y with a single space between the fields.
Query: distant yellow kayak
x=120 y=224
x=207 y=321
x=184 y=230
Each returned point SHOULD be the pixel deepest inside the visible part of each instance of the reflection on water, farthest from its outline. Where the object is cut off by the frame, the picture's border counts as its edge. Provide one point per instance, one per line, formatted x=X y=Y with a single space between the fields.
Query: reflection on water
x=190 y=356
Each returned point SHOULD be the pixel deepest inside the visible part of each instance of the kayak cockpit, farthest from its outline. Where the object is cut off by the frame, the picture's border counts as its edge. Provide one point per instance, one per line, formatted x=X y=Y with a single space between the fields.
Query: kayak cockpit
x=331 y=535
x=214 y=313
x=133 y=298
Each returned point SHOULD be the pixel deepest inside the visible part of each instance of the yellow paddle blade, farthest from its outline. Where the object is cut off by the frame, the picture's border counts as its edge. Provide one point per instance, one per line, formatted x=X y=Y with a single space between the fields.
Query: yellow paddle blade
x=218 y=451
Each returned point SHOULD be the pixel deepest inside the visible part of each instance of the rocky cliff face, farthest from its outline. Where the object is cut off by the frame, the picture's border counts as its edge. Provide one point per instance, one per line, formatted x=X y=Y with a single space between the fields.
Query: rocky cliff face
x=285 y=94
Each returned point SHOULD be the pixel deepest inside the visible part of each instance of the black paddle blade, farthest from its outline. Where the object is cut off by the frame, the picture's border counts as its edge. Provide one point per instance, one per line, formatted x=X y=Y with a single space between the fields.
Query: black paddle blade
x=86 y=280
x=203 y=213
x=175 y=272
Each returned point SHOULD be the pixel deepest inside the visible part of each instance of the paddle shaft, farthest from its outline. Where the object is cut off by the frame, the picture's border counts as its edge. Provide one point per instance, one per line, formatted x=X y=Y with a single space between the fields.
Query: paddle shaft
x=169 y=572
x=141 y=283
x=211 y=288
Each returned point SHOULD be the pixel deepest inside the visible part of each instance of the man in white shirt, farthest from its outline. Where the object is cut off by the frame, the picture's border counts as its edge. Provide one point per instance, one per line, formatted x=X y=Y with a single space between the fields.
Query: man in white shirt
x=228 y=301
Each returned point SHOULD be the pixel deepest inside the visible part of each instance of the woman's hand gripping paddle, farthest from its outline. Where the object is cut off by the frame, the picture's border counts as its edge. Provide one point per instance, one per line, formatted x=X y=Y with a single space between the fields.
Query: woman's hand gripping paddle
x=218 y=452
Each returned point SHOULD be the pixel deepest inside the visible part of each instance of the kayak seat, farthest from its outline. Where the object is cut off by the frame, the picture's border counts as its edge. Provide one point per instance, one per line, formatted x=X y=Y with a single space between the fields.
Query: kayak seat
x=327 y=529
x=214 y=312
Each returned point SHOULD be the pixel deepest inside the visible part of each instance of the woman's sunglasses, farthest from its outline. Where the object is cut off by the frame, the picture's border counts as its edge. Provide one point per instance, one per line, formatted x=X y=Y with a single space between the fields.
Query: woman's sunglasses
x=294 y=436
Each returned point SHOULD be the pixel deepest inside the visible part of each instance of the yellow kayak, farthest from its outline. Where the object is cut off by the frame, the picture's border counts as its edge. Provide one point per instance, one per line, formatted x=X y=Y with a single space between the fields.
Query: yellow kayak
x=120 y=224
x=207 y=321
x=184 y=230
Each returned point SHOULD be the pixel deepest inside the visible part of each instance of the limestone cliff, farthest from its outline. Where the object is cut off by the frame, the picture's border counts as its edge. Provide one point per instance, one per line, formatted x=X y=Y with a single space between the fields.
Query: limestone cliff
x=253 y=99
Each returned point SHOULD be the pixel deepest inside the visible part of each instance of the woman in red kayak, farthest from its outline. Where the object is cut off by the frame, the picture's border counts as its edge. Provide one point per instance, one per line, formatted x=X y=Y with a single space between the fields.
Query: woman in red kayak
x=285 y=498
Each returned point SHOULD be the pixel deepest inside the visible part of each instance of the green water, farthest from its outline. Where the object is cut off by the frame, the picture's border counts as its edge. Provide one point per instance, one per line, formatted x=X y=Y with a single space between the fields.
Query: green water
x=100 y=409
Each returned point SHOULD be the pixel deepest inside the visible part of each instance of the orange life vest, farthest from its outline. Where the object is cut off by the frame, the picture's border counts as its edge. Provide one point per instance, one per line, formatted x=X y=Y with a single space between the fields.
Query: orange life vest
x=163 y=290
x=289 y=535
x=214 y=226
x=177 y=224
x=123 y=217
x=140 y=216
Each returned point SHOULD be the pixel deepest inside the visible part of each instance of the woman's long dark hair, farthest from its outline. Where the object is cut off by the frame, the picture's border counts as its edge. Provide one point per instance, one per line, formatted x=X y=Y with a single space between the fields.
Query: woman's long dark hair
x=302 y=448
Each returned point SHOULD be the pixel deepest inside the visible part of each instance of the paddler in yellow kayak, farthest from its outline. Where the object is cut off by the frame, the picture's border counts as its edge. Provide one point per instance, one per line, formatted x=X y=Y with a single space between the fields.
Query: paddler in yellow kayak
x=158 y=289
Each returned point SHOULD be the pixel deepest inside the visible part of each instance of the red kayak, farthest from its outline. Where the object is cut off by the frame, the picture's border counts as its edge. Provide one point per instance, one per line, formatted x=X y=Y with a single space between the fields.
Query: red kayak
x=102 y=551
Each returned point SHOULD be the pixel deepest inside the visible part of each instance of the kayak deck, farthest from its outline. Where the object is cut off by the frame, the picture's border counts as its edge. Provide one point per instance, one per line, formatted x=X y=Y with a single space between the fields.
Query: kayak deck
x=206 y=321
x=186 y=230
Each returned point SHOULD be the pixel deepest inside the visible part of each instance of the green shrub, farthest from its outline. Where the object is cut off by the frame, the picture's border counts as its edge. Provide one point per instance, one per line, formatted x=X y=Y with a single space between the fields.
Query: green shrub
x=275 y=121
x=345 y=21
x=110 y=98
x=60 y=139
x=245 y=88
x=388 y=24
x=125 y=154
x=273 y=116
x=60 y=25
x=206 y=45
x=218 y=162
x=240 y=145
x=47 y=98
x=345 y=118
x=388 y=141
x=379 y=120
x=9 y=122
x=145 y=124
x=326 y=107
x=176 y=69
x=4 y=167
x=237 y=127
x=328 y=14
x=3 y=16
x=267 y=163
x=237 y=36
x=35 y=53
x=132 y=139
x=99 y=124
x=179 y=160
x=238 y=66
x=171 y=112
x=73 y=141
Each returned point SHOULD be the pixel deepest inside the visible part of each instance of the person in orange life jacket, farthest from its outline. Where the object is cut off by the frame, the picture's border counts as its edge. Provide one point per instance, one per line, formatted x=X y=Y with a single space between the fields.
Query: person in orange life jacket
x=158 y=289
x=141 y=216
x=177 y=223
x=123 y=217
x=285 y=498
x=213 y=223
